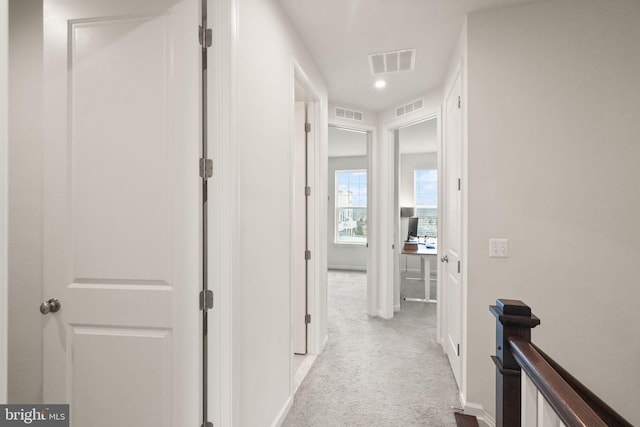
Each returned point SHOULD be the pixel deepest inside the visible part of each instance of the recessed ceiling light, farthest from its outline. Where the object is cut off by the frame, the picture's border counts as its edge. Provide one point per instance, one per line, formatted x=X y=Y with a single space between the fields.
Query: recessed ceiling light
x=380 y=84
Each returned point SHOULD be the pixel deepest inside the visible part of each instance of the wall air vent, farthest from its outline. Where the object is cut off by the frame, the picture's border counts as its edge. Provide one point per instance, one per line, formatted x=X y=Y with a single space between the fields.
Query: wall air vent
x=392 y=62
x=343 y=113
x=416 y=105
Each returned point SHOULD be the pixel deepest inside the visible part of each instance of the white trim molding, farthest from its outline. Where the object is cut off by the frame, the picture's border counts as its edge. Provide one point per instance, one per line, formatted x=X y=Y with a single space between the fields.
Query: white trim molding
x=384 y=186
x=284 y=411
x=222 y=216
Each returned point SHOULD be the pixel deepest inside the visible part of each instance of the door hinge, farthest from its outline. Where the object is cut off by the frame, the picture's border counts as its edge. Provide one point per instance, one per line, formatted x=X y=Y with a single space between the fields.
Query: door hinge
x=458 y=350
x=458 y=266
x=206 y=168
x=207 y=424
x=307 y=127
x=307 y=318
x=205 y=36
x=307 y=254
x=459 y=102
x=307 y=191
x=459 y=184
x=206 y=300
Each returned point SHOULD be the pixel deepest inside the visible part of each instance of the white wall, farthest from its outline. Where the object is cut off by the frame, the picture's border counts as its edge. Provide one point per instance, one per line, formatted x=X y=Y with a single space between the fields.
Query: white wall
x=25 y=201
x=553 y=166
x=266 y=47
x=343 y=256
x=4 y=102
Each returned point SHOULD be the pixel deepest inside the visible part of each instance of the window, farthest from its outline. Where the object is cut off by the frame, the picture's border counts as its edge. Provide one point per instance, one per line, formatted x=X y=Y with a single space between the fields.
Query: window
x=426 y=188
x=351 y=206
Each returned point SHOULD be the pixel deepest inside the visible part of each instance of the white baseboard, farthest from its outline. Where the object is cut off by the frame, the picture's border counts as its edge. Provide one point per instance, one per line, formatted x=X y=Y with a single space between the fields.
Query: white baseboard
x=283 y=413
x=476 y=410
x=383 y=316
x=324 y=344
x=303 y=370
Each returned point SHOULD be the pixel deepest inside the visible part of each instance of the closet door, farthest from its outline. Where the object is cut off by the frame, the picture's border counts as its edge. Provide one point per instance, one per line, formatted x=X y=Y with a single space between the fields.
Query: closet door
x=122 y=211
x=452 y=244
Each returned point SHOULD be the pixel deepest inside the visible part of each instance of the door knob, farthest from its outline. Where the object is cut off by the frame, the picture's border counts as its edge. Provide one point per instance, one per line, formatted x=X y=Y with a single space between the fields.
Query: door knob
x=51 y=306
x=444 y=259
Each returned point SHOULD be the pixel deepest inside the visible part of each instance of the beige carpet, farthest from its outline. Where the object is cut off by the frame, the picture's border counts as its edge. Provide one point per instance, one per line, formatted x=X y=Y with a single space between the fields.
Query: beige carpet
x=376 y=372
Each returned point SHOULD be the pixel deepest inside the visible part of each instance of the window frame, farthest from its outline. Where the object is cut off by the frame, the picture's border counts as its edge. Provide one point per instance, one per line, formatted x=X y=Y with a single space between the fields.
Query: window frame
x=338 y=208
x=415 y=197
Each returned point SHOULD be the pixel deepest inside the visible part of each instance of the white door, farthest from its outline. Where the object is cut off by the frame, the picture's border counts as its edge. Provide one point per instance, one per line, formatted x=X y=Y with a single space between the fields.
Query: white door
x=299 y=311
x=452 y=230
x=121 y=211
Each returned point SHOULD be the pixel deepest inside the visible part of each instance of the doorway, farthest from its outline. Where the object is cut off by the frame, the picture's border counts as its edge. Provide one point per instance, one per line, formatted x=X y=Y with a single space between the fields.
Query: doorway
x=305 y=284
x=417 y=202
x=348 y=219
x=420 y=152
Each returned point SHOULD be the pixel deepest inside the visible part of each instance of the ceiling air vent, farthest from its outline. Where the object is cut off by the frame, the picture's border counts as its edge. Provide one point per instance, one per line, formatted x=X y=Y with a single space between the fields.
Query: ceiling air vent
x=416 y=105
x=343 y=113
x=392 y=62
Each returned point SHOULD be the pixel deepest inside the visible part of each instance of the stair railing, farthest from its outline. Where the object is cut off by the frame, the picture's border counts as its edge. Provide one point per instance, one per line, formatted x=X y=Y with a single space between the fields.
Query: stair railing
x=546 y=395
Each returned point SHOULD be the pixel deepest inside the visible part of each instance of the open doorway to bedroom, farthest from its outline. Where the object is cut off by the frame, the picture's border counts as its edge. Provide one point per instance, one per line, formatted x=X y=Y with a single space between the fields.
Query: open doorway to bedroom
x=348 y=211
x=417 y=165
x=417 y=198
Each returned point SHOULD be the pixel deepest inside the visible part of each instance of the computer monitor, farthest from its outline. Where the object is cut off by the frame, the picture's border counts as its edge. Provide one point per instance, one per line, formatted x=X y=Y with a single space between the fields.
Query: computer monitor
x=413 y=227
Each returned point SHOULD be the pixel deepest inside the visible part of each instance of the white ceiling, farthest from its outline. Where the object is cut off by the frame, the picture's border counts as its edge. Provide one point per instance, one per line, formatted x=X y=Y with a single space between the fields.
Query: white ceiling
x=340 y=34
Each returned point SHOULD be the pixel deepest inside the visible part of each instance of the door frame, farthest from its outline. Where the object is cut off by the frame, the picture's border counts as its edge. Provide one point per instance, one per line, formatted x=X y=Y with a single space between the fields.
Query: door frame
x=4 y=204
x=301 y=140
x=316 y=280
x=390 y=273
x=223 y=254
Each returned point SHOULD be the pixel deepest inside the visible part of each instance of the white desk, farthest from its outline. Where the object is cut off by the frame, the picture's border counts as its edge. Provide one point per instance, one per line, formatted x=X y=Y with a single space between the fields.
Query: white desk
x=426 y=255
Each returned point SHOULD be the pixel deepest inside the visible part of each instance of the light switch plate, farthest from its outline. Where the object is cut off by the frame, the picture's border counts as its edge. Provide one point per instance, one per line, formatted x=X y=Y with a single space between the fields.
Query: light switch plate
x=499 y=248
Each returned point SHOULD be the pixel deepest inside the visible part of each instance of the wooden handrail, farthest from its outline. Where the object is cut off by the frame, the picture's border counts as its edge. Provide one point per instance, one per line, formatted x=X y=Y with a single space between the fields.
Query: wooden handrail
x=604 y=411
x=568 y=405
x=573 y=403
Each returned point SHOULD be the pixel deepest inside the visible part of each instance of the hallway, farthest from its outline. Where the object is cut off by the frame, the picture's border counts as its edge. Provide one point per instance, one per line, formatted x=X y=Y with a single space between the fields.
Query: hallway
x=376 y=372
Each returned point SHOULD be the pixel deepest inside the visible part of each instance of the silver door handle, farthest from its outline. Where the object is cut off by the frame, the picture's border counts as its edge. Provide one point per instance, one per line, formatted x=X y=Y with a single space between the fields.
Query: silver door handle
x=51 y=306
x=444 y=259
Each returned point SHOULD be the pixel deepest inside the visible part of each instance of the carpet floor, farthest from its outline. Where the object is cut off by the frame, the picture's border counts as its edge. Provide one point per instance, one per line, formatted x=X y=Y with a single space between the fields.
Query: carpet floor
x=376 y=372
